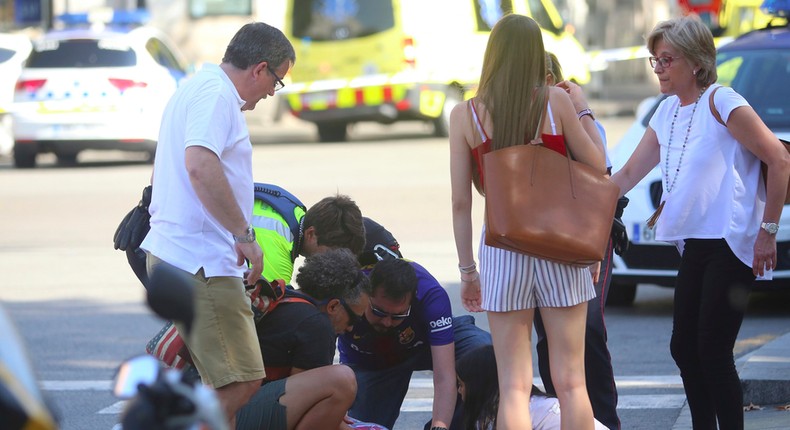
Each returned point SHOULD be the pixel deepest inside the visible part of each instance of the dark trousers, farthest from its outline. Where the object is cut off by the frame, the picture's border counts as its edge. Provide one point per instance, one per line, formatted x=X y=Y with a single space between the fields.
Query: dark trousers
x=711 y=296
x=597 y=361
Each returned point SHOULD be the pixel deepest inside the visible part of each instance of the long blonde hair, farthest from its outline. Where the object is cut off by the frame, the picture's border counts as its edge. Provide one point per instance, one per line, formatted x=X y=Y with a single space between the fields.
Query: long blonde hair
x=513 y=81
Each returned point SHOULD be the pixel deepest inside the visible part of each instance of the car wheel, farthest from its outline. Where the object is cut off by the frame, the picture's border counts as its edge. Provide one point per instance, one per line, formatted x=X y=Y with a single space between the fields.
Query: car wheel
x=332 y=131
x=621 y=295
x=67 y=158
x=25 y=156
x=441 y=125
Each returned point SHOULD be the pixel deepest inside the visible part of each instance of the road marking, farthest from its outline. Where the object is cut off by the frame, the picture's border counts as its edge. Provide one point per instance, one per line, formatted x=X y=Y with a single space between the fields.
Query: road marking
x=410 y=404
x=633 y=401
x=659 y=381
x=76 y=385
x=667 y=381
x=419 y=398
x=114 y=409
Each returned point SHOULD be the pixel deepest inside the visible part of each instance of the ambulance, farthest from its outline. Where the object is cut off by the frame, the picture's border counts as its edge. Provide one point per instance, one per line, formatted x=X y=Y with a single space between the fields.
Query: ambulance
x=729 y=18
x=398 y=60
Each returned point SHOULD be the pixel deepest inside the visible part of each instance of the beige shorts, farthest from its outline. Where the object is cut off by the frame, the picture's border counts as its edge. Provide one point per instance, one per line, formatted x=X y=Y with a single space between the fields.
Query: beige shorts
x=223 y=342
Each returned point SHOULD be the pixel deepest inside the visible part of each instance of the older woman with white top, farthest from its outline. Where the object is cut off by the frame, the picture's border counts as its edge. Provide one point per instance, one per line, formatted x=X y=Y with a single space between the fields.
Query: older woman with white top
x=715 y=208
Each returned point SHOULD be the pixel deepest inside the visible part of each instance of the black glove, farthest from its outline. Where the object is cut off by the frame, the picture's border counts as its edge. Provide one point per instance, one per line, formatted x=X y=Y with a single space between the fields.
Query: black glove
x=619 y=232
x=622 y=202
x=619 y=237
x=135 y=225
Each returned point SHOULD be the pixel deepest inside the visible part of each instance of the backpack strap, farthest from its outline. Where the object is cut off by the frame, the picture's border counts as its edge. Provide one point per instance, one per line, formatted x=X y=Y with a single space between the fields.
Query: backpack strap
x=284 y=204
x=713 y=109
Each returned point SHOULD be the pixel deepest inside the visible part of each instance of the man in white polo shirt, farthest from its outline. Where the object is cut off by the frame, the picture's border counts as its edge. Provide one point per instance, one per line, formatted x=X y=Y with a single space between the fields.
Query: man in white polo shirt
x=202 y=203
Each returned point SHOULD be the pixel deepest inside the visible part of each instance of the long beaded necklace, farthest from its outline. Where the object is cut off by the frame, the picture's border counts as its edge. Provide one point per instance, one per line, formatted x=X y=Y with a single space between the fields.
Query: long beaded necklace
x=651 y=222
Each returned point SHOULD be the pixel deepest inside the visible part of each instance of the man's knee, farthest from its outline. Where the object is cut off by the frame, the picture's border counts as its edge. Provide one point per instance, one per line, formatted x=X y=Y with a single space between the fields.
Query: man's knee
x=344 y=380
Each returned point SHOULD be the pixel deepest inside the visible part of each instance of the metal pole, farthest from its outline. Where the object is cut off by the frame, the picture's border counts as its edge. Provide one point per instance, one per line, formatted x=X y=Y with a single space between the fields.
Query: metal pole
x=46 y=14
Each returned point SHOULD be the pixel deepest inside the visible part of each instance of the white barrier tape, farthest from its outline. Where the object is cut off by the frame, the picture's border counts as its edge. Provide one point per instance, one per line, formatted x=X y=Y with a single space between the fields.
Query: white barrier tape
x=599 y=60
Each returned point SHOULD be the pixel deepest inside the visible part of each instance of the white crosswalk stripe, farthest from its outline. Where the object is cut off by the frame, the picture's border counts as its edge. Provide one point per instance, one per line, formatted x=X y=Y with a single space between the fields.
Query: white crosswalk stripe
x=419 y=397
x=632 y=401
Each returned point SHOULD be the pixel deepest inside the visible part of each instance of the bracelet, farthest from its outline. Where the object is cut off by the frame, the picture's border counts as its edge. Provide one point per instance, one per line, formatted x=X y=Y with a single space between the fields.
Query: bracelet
x=438 y=428
x=472 y=268
x=584 y=112
x=476 y=277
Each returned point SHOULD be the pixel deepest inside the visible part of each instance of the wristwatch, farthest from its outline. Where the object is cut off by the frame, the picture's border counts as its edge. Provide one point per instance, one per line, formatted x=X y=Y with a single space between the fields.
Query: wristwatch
x=770 y=227
x=249 y=236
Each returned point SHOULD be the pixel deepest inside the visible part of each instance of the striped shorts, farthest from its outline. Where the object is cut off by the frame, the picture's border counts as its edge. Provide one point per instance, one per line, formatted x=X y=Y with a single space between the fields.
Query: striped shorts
x=511 y=281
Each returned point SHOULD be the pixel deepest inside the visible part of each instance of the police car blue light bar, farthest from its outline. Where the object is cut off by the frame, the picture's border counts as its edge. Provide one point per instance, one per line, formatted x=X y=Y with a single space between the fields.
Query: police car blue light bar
x=778 y=8
x=106 y=16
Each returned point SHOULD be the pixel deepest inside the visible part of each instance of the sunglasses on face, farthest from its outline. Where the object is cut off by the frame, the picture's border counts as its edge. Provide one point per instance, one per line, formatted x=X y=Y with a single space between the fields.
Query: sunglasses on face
x=381 y=314
x=353 y=317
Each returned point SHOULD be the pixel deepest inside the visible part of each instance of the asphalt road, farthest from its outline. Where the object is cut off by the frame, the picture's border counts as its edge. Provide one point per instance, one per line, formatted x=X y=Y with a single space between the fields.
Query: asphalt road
x=79 y=307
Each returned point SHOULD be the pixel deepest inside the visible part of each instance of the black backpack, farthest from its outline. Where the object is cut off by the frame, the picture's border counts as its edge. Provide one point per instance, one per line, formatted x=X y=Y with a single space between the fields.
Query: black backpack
x=275 y=196
x=284 y=204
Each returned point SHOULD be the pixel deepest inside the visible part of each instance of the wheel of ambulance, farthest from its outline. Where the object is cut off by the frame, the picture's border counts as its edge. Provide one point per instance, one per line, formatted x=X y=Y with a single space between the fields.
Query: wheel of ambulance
x=441 y=125
x=621 y=295
x=25 y=155
x=332 y=131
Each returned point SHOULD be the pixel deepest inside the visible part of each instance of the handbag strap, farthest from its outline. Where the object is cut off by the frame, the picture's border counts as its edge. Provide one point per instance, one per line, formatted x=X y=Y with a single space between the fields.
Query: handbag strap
x=541 y=119
x=713 y=110
x=536 y=140
x=567 y=150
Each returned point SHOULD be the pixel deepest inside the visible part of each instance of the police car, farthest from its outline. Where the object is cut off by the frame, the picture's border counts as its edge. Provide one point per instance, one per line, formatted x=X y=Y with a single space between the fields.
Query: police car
x=748 y=64
x=14 y=48
x=101 y=85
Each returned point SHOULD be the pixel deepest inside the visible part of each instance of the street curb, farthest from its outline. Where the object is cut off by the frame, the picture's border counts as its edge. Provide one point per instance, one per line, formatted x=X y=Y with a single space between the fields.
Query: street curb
x=765 y=375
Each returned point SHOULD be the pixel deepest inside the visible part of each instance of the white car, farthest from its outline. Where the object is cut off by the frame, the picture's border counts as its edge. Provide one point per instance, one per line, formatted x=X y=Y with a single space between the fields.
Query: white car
x=756 y=65
x=14 y=49
x=92 y=88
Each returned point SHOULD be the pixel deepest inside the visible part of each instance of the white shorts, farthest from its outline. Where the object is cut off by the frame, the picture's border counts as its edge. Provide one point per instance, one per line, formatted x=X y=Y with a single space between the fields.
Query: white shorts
x=512 y=281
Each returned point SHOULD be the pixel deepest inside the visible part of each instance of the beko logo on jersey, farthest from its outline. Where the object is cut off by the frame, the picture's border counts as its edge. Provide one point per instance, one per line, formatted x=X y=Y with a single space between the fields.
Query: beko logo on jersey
x=443 y=322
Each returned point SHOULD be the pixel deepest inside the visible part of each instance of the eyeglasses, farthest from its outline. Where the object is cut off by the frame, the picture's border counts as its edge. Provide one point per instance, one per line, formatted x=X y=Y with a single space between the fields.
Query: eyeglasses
x=353 y=318
x=381 y=314
x=665 y=62
x=278 y=83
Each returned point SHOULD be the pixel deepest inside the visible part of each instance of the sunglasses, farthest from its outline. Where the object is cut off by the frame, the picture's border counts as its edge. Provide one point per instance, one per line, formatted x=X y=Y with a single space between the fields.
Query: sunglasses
x=353 y=318
x=381 y=314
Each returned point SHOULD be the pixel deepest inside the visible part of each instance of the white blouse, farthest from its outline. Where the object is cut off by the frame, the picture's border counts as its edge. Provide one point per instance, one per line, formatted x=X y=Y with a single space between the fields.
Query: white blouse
x=715 y=185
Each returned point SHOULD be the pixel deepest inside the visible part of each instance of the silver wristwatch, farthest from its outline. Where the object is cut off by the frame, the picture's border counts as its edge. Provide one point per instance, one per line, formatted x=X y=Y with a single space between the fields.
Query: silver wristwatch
x=770 y=227
x=249 y=236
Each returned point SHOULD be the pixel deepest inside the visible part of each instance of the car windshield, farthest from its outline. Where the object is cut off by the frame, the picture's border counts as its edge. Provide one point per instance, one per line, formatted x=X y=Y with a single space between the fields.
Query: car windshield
x=321 y=20
x=81 y=53
x=748 y=71
x=6 y=54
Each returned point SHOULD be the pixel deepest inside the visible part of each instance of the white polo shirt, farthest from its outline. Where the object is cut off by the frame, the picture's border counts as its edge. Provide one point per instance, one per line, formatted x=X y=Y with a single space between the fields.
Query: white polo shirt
x=205 y=111
x=718 y=192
